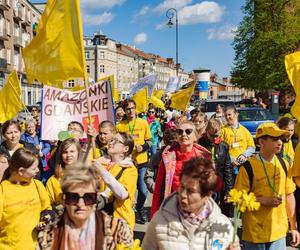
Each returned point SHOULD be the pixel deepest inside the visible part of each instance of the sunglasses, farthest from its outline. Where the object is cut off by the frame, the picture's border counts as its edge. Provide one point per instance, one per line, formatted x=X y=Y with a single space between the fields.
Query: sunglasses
x=151 y=112
x=187 y=131
x=282 y=138
x=73 y=198
x=128 y=109
x=116 y=140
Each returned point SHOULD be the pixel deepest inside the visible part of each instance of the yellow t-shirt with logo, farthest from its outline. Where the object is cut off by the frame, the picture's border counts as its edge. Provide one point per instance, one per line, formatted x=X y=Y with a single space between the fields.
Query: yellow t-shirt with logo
x=20 y=208
x=238 y=139
x=266 y=224
x=54 y=190
x=124 y=208
x=140 y=131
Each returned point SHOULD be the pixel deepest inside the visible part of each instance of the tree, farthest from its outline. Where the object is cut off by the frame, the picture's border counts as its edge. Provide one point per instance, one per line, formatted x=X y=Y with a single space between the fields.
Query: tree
x=269 y=30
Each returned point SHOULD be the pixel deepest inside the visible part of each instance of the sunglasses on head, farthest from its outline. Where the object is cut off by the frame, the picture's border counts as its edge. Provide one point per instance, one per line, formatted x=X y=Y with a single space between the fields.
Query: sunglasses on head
x=73 y=198
x=187 y=131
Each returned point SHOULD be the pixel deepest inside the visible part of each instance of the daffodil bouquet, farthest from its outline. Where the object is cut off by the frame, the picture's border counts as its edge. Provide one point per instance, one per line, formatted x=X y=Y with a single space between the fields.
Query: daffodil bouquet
x=241 y=201
x=136 y=246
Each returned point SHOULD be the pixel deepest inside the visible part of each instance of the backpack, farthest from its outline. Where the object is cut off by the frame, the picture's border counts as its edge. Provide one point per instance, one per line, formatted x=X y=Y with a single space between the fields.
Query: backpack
x=249 y=170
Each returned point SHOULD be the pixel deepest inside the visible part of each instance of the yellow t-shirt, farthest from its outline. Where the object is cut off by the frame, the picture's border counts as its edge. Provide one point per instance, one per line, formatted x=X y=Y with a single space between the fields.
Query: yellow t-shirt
x=20 y=208
x=238 y=139
x=54 y=190
x=288 y=152
x=140 y=131
x=296 y=163
x=124 y=208
x=267 y=224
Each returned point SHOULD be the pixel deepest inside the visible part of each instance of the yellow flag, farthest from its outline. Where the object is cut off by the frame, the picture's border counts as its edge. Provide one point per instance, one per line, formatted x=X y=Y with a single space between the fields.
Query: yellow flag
x=10 y=98
x=158 y=93
x=292 y=65
x=56 y=53
x=141 y=100
x=181 y=98
x=157 y=102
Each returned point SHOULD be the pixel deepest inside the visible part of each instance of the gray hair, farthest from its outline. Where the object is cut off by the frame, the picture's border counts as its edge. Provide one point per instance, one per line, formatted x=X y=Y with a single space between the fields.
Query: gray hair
x=79 y=173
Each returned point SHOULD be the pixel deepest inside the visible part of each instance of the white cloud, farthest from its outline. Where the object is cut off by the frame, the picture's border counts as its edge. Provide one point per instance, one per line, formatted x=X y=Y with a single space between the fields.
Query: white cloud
x=100 y=4
x=140 y=38
x=144 y=10
x=205 y=12
x=103 y=18
x=226 y=32
x=167 y=4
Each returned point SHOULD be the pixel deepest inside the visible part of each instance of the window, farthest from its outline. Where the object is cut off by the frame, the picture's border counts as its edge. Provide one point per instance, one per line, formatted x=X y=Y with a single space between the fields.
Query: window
x=8 y=58
x=8 y=27
x=101 y=69
x=87 y=55
x=88 y=68
x=16 y=29
x=101 y=55
x=71 y=83
x=16 y=59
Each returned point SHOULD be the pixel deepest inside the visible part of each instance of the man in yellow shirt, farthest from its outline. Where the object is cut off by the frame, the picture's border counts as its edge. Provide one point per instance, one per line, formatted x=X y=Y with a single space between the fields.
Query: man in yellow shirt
x=269 y=178
x=140 y=131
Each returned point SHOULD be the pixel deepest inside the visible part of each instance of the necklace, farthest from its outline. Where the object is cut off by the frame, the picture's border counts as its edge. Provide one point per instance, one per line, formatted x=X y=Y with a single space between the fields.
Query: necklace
x=273 y=187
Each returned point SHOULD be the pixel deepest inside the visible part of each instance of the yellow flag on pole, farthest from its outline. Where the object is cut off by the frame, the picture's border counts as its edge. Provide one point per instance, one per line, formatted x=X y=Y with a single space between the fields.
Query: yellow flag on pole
x=181 y=98
x=158 y=93
x=141 y=100
x=10 y=98
x=292 y=65
x=56 y=53
x=157 y=102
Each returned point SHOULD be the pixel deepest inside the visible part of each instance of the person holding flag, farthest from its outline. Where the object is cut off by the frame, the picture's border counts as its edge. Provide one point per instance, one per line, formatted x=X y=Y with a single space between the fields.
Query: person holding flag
x=139 y=129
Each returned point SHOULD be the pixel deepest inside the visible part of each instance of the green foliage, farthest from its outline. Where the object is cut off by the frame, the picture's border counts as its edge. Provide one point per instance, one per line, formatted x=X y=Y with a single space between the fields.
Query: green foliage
x=269 y=30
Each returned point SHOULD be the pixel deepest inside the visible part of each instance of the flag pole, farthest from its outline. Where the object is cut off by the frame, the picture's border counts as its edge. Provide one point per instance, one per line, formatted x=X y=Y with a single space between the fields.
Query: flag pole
x=85 y=78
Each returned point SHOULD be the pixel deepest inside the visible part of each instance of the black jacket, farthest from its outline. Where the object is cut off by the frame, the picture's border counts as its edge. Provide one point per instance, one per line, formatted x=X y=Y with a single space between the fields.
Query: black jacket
x=222 y=161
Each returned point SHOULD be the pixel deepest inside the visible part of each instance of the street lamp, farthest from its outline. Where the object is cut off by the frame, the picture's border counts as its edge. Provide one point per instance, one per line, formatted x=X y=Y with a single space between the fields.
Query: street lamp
x=170 y=14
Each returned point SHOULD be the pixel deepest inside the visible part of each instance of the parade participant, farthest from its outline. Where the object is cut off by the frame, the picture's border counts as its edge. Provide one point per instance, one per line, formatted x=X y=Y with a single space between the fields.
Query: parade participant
x=30 y=136
x=287 y=151
x=68 y=153
x=77 y=129
x=22 y=199
x=140 y=131
x=4 y=162
x=120 y=178
x=189 y=218
x=239 y=139
x=220 y=154
x=155 y=129
x=173 y=157
x=152 y=169
x=11 y=131
x=200 y=122
x=106 y=132
x=220 y=114
x=120 y=113
x=79 y=225
x=268 y=177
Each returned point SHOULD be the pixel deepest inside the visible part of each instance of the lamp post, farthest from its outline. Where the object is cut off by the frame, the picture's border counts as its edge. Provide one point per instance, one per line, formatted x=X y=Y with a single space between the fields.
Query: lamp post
x=170 y=14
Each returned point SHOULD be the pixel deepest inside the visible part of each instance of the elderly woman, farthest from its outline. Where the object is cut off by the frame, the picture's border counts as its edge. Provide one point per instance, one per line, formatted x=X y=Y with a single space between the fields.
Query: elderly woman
x=189 y=218
x=79 y=225
x=173 y=157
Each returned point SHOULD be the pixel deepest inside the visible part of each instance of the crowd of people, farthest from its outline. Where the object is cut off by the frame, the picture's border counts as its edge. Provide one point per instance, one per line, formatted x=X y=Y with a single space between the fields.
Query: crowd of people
x=66 y=194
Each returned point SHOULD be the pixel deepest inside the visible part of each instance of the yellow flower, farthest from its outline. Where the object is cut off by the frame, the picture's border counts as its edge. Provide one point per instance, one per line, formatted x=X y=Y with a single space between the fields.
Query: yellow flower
x=235 y=197
x=136 y=246
x=249 y=202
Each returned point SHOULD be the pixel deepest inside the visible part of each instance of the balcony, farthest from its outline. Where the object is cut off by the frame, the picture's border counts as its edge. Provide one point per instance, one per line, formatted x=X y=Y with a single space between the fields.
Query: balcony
x=3 y=63
x=3 y=34
x=4 y=5
x=18 y=15
x=18 y=41
x=26 y=21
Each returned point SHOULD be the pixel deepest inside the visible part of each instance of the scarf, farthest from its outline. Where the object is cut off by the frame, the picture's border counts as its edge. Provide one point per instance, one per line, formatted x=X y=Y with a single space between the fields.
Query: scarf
x=150 y=119
x=192 y=221
x=80 y=240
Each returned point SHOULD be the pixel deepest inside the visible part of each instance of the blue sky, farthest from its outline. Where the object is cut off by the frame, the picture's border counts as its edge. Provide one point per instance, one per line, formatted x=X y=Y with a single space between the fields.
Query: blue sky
x=205 y=28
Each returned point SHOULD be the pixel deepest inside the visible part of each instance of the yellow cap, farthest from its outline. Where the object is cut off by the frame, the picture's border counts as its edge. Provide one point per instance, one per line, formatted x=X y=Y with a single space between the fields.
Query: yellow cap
x=270 y=129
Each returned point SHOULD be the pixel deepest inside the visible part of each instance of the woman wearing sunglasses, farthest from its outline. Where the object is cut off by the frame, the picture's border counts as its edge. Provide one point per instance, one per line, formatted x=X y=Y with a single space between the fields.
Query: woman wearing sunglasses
x=120 y=178
x=22 y=199
x=220 y=155
x=155 y=129
x=80 y=225
x=173 y=157
x=68 y=153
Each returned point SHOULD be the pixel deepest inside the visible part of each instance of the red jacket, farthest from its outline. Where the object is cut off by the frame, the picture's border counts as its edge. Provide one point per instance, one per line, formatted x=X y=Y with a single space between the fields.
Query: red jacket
x=167 y=180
